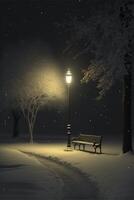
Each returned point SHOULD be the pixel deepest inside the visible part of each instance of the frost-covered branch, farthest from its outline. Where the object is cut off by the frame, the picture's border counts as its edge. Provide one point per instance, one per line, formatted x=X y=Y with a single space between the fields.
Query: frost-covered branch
x=105 y=37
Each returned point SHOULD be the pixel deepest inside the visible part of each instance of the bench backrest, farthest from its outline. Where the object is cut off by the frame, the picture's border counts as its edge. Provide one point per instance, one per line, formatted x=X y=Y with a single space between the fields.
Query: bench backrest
x=90 y=138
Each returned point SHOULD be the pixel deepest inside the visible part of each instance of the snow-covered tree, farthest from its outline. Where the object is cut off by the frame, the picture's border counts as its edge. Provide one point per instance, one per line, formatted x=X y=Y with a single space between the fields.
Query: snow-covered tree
x=106 y=37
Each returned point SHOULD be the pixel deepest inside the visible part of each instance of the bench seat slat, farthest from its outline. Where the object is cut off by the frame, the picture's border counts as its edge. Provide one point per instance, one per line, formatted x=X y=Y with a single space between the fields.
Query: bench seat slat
x=82 y=142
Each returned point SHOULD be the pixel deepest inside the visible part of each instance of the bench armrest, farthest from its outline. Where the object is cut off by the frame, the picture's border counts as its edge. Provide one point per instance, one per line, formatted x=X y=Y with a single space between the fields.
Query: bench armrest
x=96 y=144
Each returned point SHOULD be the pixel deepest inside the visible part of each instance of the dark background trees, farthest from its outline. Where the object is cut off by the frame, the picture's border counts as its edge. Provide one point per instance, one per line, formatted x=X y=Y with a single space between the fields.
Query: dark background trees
x=106 y=37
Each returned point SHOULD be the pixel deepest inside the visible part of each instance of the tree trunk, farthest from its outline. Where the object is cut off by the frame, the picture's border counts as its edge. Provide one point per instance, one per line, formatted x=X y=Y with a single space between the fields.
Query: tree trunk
x=16 y=118
x=31 y=132
x=127 y=136
x=31 y=137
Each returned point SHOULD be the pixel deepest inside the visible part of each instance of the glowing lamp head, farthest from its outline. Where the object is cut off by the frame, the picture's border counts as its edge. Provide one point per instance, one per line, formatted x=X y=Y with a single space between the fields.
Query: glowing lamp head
x=68 y=77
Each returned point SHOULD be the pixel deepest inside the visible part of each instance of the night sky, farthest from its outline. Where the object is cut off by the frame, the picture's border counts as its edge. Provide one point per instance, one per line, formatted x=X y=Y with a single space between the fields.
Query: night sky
x=29 y=32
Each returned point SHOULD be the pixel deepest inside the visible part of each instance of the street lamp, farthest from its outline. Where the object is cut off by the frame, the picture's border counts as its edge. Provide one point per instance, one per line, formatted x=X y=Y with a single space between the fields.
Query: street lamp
x=68 y=81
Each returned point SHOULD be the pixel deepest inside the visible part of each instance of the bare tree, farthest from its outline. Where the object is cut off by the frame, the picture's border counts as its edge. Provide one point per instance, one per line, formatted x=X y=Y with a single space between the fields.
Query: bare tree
x=36 y=90
x=30 y=105
x=106 y=37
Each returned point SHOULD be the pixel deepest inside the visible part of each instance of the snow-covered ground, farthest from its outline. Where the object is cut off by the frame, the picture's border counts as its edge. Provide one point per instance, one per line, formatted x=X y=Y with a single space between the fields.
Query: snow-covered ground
x=47 y=171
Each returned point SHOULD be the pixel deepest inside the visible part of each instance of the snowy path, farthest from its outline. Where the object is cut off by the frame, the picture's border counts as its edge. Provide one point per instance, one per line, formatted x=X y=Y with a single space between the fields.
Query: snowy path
x=30 y=175
x=76 y=185
x=25 y=176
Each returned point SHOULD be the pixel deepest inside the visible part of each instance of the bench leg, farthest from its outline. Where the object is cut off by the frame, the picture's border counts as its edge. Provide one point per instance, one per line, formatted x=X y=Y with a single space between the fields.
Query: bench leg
x=79 y=146
x=95 y=148
x=83 y=147
x=100 y=150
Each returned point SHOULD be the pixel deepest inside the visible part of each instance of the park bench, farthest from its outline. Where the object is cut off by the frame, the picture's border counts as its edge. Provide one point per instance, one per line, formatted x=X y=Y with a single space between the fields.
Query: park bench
x=91 y=140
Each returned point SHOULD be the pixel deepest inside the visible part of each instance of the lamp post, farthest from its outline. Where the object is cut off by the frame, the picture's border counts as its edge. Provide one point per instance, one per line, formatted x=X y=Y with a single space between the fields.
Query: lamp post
x=68 y=81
